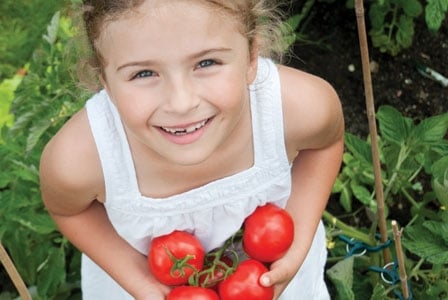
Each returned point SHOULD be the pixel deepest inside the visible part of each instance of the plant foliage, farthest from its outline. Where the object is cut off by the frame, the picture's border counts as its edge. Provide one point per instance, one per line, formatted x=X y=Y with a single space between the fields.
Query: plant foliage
x=391 y=22
x=17 y=36
x=414 y=160
x=46 y=97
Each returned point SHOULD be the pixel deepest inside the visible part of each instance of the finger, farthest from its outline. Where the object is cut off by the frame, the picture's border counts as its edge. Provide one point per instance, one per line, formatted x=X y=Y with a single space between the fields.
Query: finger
x=266 y=281
x=275 y=276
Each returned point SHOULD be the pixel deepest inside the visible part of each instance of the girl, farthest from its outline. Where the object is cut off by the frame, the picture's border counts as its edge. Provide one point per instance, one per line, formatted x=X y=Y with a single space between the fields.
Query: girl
x=193 y=130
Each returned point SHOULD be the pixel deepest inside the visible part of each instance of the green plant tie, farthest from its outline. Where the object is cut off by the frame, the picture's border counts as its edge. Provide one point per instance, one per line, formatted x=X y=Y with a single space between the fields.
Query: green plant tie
x=357 y=248
x=390 y=275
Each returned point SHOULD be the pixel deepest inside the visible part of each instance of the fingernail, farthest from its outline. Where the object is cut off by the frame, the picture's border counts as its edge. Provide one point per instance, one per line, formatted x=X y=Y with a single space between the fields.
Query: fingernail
x=265 y=281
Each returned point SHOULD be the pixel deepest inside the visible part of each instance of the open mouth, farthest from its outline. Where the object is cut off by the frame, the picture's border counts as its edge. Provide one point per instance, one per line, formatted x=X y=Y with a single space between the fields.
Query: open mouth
x=185 y=130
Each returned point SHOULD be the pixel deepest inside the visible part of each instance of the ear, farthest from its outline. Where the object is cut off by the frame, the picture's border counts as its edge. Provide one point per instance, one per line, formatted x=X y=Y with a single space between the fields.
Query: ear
x=103 y=82
x=253 y=62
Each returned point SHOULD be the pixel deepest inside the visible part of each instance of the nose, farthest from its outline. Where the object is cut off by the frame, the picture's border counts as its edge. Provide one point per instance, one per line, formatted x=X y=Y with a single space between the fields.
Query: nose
x=180 y=96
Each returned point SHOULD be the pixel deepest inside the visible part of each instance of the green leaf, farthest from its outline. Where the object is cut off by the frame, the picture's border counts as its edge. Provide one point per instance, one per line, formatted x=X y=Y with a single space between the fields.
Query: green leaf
x=393 y=126
x=52 y=29
x=435 y=13
x=438 y=290
x=294 y=22
x=405 y=32
x=377 y=15
x=39 y=223
x=21 y=122
x=440 y=180
x=412 y=8
x=51 y=273
x=341 y=274
x=361 y=193
x=440 y=168
x=423 y=242
x=360 y=149
x=431 y=129
x=379 y=293
x=26 y=172
x=338 y=185
x=38 y=129
x=346 y=199
x=437 y=228
x=7 y=88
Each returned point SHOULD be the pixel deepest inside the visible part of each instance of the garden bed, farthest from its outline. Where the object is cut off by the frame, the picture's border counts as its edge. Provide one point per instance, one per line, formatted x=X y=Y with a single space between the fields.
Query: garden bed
x=395 y=79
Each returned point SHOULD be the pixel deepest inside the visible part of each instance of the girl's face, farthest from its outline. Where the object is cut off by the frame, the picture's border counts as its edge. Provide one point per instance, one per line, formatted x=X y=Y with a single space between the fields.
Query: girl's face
x=178 y=73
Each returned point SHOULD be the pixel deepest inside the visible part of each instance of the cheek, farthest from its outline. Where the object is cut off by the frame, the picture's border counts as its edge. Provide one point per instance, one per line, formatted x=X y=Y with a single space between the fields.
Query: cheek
x=228 y=92
x=134 y=108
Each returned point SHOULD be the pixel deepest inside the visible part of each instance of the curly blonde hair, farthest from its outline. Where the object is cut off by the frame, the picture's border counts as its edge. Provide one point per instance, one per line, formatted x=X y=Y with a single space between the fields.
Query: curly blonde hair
x=261 y=22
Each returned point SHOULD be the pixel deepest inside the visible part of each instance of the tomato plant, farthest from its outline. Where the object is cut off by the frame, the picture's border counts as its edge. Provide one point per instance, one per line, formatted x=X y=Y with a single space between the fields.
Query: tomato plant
x=215 y=271
x=174 y=257
x=192 y=293
x=268 y=233
x=244 y=283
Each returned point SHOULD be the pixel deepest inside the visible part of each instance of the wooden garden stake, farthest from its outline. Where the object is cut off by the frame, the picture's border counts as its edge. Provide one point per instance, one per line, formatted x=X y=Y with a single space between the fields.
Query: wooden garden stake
x=400 y=258
x=370 y=107
x=13 y=274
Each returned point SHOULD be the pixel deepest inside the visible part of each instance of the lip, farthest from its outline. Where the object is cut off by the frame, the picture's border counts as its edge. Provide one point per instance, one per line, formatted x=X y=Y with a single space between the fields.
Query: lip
x=186 y=133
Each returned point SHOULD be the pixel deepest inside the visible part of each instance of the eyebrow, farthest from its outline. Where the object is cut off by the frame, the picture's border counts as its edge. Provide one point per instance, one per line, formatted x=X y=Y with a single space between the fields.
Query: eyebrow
x=144 y=63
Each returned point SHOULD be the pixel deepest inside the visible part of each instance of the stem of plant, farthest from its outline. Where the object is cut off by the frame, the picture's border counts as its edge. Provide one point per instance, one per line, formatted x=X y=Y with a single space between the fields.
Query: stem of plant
x=348 y=230
x=394 y=23
x=14 y=274
x=410 y=199
x=370 y=107
x=213 y=260
x=416 y=268
x=404 y=152
x=306 y=8
x=179 y=264
x=400 y=258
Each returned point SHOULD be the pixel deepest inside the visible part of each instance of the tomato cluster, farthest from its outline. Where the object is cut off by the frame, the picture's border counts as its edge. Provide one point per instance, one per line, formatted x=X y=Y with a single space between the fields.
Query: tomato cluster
x=179 y=260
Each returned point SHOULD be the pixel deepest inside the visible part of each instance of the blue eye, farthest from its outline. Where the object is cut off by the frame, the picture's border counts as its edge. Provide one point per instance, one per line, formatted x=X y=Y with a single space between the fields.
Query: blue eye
x=206 y=63
x=143 y=74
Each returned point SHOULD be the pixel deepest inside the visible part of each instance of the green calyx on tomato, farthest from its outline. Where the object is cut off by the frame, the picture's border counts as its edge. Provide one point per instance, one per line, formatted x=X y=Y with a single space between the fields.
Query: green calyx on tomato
x=180 y=265
x=174 y=257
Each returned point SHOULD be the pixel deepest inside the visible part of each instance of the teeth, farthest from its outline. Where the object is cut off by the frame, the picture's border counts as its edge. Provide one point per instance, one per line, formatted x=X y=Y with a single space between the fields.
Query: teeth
x=187 y=130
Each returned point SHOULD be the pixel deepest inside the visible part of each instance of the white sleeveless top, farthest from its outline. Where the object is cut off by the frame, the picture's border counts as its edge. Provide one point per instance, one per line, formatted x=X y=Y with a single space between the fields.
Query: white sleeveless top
x=212 y=212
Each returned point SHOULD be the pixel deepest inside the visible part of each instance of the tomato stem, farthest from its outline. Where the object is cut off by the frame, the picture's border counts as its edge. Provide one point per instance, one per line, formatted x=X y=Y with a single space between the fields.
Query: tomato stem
x=179 y=264
x=213 y=260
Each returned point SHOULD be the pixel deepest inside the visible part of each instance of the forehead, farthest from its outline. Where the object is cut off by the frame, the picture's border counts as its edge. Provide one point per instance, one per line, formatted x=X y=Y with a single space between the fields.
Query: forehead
x=171 y=26
x=163 y=8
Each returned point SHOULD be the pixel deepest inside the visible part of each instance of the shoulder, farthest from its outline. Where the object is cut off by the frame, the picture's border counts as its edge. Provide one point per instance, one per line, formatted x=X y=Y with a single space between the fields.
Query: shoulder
x=70 y=170
x=312 y=111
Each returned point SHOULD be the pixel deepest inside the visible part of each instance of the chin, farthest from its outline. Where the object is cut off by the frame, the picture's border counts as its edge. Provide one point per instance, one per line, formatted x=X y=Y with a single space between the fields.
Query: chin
x=187 y=158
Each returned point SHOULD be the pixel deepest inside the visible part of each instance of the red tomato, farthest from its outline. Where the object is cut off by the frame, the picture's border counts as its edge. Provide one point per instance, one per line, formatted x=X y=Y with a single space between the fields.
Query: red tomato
x=174 y=257
x=192 y=293
x=268 y=233
x=244 y=283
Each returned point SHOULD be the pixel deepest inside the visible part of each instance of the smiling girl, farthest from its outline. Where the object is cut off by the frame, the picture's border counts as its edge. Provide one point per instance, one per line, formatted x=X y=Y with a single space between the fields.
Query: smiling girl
x=193 y=129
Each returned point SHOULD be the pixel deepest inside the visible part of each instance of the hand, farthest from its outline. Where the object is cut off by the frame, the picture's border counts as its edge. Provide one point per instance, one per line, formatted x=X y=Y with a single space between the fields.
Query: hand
x=153 y=292
x=280 y=274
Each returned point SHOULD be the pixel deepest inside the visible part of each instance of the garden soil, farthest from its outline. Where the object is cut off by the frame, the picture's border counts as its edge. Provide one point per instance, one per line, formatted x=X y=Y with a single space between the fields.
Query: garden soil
x=330 y=49
x=334 y=54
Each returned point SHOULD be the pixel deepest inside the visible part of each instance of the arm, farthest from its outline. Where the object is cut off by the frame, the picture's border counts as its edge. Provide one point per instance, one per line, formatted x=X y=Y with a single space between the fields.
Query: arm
x=91 y=232
x=72 y=189
x=313 y=129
